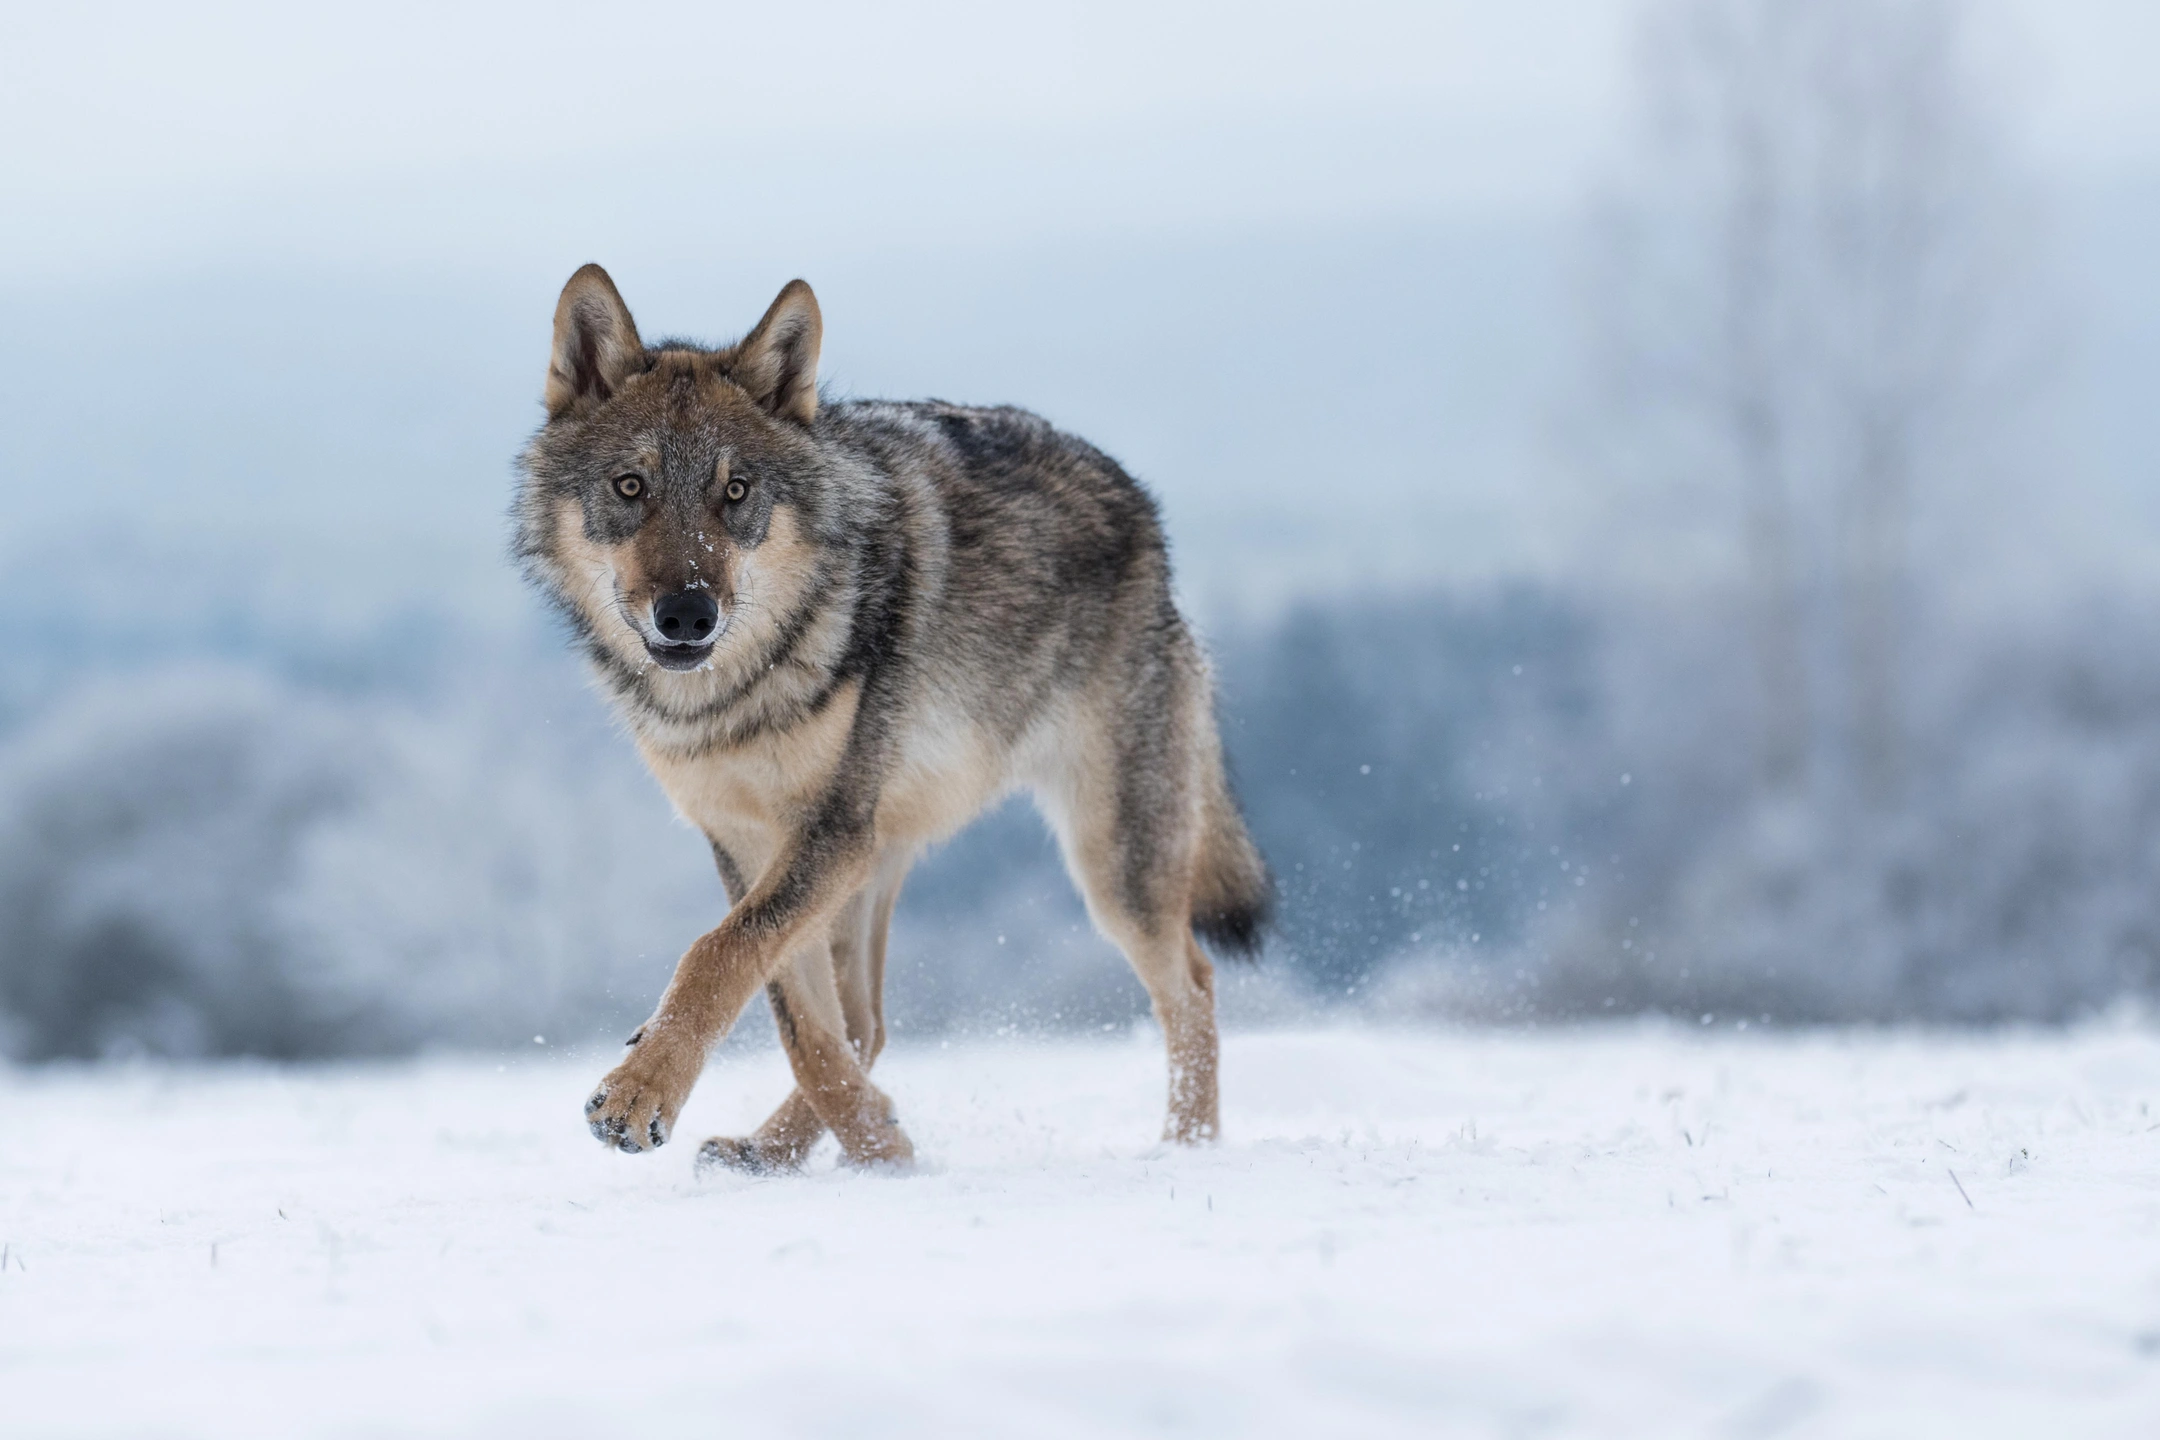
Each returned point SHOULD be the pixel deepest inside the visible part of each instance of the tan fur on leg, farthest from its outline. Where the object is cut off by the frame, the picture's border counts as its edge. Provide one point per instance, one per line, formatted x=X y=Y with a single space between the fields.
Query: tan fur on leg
x=1189 y=1033
x=1180 y=982
x=830 y=1077
x=858 y=955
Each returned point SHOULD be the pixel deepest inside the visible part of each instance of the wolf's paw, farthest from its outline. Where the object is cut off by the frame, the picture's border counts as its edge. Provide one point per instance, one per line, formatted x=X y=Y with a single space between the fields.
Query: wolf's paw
x=896 y=1157
x=744 y=1156
x=1190 y=1130
x=879 y=1143
x=635 y=1107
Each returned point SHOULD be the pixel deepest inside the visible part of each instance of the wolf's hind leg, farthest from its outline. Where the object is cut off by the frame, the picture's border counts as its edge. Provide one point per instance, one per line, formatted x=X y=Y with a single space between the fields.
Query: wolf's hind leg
x=1180 y=983
x=1131 y=845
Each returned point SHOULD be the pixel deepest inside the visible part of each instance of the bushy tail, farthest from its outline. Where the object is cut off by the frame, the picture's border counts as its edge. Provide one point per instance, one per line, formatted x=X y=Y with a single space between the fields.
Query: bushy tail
x=1233 y=894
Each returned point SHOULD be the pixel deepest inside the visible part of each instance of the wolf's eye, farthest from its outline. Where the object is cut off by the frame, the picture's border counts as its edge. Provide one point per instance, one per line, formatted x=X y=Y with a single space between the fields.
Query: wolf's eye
x=736 y=490
x=629 y=486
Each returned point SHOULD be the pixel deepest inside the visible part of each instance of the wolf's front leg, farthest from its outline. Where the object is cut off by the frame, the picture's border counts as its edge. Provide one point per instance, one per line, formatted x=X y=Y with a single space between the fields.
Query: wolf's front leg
x=635 y=1106
x=829 y=1070
x=636 y=1103
x=833 y=1089
x=850 y=995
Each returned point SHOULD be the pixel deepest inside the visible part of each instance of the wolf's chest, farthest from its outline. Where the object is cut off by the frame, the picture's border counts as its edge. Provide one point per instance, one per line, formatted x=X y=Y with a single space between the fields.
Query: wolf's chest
x=748 y=795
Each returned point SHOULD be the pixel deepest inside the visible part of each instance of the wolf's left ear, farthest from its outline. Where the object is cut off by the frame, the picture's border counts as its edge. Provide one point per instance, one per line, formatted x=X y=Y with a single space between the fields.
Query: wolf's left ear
x=777 y=362
x=596 y=342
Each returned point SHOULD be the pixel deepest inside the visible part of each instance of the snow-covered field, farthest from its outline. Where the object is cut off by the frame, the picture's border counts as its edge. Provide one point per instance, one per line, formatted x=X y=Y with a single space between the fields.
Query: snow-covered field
x=1625 y=1231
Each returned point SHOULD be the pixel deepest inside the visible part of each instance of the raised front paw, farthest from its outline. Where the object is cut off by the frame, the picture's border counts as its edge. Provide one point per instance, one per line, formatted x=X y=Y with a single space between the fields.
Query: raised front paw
x=635 y=1107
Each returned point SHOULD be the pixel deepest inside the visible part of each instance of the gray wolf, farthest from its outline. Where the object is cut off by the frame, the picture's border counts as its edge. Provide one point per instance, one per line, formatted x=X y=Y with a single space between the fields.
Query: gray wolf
x=837 y=631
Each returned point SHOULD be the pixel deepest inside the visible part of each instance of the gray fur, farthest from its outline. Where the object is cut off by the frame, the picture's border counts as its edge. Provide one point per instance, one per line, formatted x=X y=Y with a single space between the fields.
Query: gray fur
x=940 y=560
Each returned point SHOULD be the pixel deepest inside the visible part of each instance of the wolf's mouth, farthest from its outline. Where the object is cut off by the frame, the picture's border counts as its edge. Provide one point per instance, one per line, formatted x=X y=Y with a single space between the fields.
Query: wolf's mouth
x=679 y=657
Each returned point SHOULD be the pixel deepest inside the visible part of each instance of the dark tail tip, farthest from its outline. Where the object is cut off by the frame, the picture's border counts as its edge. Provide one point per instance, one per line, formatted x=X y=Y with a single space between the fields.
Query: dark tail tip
x=1236 y=932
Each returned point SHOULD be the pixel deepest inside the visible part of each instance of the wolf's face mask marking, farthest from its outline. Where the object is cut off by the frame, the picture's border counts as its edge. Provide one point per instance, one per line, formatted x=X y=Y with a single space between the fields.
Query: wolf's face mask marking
x=670 y=468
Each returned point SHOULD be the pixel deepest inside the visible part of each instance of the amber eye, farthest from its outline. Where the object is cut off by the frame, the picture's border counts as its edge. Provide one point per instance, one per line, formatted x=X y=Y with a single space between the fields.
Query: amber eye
x=629 y=486
x=736 y=490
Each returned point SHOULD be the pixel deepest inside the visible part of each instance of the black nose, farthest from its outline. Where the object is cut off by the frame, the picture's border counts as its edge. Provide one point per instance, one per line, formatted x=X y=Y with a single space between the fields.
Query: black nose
x=686 y=617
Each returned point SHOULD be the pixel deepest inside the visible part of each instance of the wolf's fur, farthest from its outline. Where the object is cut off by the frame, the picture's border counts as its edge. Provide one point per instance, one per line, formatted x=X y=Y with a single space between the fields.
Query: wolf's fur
x=921 y=607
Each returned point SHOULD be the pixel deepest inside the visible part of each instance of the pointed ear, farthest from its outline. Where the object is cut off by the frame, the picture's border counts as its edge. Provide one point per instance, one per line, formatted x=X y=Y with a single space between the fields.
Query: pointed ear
x=596 y=342
x=777 y=362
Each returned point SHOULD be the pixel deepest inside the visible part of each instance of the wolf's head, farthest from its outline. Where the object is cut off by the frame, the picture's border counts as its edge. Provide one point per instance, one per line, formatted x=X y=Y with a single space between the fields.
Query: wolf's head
x=672 y=488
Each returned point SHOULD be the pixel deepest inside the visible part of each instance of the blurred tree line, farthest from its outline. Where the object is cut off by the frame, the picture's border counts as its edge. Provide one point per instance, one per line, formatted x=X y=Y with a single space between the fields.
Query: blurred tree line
x=1785 y=745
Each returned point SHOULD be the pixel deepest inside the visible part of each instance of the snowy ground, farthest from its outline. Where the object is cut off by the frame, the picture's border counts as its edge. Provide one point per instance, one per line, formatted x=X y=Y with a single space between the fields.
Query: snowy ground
x=1630 y=1231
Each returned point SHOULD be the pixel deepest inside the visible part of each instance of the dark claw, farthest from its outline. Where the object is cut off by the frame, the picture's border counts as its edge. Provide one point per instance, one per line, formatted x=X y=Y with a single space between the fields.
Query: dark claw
x=635 y=1036
x=597 y=1099
x=608 y=1130
x=656 y=1132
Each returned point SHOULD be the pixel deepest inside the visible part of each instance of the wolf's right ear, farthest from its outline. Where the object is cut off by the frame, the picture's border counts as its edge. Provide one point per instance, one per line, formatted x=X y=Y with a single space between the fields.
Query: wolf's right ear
x=596 y=342
x=777 y=362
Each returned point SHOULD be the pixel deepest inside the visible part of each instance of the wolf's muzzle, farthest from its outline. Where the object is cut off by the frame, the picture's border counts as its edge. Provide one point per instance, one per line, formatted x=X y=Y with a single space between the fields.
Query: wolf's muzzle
x=687 y=617
x=687 y=621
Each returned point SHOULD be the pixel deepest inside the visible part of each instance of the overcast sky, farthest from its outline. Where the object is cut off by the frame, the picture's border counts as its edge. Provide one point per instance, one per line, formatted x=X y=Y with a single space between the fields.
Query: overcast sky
x=149 y=136
x=352 y=222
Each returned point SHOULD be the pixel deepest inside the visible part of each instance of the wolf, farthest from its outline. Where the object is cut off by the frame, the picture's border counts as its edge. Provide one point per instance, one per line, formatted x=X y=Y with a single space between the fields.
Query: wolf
x=837 y=631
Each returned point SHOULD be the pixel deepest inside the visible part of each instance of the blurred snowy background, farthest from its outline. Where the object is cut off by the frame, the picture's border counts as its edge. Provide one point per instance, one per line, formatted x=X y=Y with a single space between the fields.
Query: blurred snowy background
x=1671 y=488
